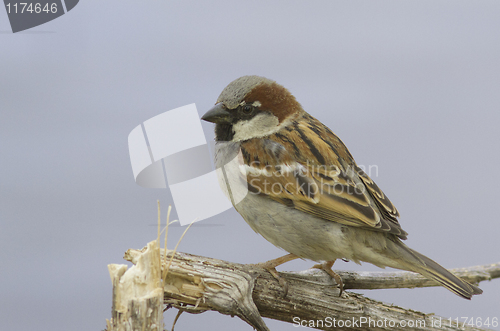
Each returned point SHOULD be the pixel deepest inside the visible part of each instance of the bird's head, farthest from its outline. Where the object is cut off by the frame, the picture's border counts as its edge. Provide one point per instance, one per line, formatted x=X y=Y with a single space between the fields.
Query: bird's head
x=252 y=107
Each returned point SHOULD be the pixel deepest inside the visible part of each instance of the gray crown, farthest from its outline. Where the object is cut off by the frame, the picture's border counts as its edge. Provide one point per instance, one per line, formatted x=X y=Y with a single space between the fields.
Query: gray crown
x=233 y=94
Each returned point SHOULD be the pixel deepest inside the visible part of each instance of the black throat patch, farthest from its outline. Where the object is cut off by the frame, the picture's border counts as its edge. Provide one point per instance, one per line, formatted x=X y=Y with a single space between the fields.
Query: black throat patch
x=224 y=132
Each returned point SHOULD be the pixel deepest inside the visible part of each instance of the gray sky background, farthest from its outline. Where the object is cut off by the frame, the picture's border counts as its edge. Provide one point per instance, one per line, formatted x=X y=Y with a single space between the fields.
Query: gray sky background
x=411 y=87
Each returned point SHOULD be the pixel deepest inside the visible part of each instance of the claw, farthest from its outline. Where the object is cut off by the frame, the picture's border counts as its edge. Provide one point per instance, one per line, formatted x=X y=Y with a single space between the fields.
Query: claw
x=280 y=280
x=271 y=267
x=327 y=266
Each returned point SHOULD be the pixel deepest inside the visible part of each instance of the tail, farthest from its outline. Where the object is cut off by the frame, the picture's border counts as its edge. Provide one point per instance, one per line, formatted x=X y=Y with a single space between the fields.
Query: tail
x=430 y=269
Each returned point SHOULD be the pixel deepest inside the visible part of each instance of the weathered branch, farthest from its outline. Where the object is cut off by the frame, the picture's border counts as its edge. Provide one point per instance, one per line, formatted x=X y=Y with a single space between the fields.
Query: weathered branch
x=374 y=280
x=137 y=293
x=195 y=284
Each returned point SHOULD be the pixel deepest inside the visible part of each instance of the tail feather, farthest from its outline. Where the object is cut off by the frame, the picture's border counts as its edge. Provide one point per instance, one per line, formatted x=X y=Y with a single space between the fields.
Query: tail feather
x=428 y=268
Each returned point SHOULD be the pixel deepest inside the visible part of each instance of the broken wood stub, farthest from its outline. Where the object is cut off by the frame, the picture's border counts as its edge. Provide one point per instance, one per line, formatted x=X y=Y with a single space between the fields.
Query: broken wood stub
x=137 y=293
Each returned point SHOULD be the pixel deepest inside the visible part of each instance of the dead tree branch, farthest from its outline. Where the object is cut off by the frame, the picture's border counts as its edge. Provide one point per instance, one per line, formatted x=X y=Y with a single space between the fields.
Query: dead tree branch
x=196 y=284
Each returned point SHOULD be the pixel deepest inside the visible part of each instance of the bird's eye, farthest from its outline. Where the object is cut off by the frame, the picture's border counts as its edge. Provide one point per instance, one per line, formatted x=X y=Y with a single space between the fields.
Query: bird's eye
x=247 y=109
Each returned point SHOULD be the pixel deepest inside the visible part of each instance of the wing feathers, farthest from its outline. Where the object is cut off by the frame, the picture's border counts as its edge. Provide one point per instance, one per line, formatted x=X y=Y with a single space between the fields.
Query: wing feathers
x=310 y=169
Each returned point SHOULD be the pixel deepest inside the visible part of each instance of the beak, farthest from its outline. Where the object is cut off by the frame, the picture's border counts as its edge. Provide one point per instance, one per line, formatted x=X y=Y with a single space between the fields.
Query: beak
x=218 y=114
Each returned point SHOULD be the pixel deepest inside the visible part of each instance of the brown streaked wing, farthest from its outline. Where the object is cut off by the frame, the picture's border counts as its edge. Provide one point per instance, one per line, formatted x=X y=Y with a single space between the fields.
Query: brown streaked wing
x=382 y=200
x=310 y=188
x=342 y=201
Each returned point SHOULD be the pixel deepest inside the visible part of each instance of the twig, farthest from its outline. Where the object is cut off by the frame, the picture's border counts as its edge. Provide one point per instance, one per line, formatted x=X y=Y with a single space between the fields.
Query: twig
x=400 y=279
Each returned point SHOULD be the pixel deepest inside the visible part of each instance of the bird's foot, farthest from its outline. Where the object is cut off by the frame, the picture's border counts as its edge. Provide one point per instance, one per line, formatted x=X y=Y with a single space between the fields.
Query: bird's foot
x=271 y=267
x=283 y=283
x=327 y=266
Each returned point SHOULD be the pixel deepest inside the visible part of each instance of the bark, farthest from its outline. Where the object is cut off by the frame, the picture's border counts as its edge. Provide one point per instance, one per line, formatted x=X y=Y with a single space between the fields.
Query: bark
x=195 y=284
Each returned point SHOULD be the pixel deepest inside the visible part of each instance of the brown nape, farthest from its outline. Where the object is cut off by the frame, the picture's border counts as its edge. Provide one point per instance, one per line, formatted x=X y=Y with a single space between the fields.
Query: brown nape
x=275 y=98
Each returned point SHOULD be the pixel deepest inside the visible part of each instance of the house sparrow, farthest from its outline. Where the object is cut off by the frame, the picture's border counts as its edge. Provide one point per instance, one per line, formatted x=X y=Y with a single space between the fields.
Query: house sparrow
x=306 y=194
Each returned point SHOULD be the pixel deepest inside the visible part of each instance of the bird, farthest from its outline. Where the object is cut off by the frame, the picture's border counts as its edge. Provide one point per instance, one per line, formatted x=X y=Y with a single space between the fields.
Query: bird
x=305 y=193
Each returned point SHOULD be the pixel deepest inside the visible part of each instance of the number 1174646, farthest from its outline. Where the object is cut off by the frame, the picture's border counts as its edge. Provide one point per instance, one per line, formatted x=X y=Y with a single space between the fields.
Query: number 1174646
x=32 y=8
